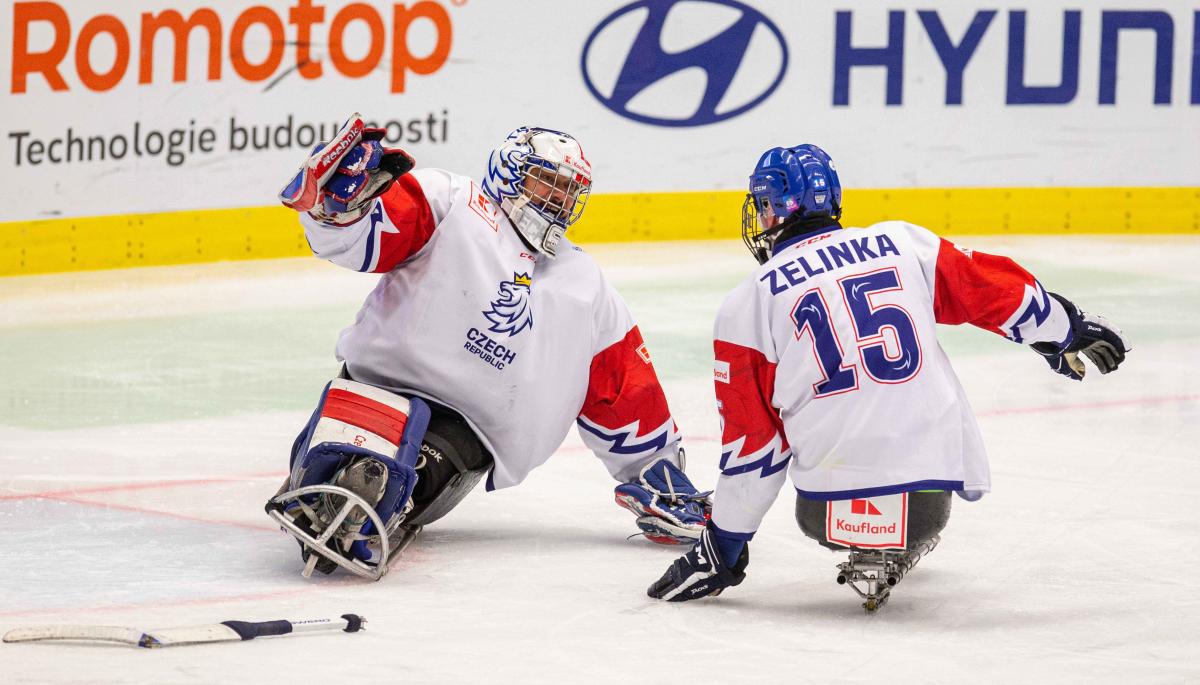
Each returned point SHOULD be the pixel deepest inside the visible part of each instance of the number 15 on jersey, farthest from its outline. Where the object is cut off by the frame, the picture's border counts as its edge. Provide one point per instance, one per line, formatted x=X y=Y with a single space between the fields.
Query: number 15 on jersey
x=888 y=349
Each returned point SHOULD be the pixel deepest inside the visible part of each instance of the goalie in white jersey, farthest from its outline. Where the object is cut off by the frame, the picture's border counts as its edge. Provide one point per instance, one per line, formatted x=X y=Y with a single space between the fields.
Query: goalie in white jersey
x=828 y=369
x=488 y=335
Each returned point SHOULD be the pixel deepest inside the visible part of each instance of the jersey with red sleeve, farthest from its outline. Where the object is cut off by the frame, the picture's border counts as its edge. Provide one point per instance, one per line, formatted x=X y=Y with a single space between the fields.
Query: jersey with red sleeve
x=828 y=367
x=625 y=413
x=521 y=345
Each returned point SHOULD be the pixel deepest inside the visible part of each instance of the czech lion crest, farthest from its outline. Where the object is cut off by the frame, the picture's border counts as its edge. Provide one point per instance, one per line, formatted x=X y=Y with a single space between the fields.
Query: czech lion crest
x=510 y=312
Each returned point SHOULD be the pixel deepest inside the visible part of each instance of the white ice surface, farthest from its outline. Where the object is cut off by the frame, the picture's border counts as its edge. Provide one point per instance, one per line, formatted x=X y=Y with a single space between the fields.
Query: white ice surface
x=148 y=416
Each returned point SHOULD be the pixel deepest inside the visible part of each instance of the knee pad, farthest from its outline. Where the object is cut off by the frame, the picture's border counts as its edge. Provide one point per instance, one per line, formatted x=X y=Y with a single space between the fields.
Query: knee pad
x=353 y=471
x=901 y=521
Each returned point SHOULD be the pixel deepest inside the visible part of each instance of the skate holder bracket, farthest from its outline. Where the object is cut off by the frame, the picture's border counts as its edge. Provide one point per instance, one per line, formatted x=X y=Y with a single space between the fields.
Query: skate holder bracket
x=873 y=573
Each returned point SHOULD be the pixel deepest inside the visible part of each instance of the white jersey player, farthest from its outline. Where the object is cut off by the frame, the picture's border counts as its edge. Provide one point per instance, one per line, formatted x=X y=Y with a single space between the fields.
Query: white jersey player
x=488 y=335
x=828 y=370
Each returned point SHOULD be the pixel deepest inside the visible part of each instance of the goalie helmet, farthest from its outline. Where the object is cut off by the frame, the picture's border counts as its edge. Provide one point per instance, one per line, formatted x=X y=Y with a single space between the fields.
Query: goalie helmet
x=541 y=180
x=800 y=182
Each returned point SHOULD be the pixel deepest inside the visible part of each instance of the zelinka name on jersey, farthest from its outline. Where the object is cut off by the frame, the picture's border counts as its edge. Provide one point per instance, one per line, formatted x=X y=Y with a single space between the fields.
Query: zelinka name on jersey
x=828 y=367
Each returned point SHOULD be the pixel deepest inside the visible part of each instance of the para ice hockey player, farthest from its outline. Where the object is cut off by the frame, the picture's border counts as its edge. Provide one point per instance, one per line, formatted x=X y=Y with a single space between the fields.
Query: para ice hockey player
x=828 y=369
x=487 y=336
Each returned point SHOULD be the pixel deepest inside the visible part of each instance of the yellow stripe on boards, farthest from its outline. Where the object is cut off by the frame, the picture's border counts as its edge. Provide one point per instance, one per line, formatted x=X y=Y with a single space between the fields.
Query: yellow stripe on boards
x=109 y=242
x=951 y=211
x=975 y=211
x=114 y=242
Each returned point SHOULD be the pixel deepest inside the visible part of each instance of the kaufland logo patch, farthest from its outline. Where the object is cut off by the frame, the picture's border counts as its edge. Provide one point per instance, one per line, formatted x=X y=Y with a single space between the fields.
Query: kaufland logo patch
x=864 y=527
x=864 y=506
x=721 y=371
x=873 y=523
x=644 y=353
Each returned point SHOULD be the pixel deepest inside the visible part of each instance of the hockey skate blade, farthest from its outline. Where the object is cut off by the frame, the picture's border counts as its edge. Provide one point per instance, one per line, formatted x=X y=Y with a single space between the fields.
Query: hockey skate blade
x=406 y=538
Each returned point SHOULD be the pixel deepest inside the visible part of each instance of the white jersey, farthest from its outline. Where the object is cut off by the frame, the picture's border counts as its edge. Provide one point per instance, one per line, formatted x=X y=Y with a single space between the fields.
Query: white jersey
x=828 y=367
x=520 y=345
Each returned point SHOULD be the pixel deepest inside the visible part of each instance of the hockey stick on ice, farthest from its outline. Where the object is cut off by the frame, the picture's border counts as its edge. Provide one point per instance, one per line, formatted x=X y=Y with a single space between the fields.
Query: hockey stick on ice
x=226 y=631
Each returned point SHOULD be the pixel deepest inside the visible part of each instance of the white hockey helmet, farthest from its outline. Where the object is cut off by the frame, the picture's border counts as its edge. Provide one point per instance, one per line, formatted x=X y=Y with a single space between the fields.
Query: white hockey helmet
x=541 y=180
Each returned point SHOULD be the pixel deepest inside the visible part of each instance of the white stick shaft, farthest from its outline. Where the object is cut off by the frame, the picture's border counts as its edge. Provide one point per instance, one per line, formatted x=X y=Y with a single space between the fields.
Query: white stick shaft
x=229 y=631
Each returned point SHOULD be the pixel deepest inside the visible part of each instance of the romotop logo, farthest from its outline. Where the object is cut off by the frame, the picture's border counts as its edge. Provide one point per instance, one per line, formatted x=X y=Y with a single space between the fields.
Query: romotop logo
x=684 y=62
x=258 y=43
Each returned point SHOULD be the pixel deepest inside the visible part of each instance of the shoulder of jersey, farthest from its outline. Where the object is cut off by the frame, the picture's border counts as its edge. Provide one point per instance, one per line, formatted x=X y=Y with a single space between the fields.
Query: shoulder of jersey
x=570 y=252
x=736 y=299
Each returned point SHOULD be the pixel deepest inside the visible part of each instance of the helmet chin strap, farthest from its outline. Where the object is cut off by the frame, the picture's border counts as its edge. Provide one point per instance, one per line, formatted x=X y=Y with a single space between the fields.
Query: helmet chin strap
x=550 y=242
x=536 y=229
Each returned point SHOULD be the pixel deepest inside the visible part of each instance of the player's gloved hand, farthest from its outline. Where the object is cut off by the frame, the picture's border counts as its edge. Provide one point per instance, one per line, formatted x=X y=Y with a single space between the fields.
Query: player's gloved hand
x=1099 y=340
x=342 y=176
x=701 y=572
x=670 y=510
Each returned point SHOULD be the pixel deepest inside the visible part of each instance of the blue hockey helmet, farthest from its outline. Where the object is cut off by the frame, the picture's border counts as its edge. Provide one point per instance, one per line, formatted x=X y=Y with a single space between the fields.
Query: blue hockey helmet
x=800 y=181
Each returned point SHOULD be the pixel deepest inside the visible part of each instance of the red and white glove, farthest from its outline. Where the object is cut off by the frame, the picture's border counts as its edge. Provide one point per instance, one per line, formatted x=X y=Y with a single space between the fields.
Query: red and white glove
x=342 y=176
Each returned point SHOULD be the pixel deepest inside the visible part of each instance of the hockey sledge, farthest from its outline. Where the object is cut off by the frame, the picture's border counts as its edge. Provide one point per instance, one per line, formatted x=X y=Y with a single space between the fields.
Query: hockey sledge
x=873 y=573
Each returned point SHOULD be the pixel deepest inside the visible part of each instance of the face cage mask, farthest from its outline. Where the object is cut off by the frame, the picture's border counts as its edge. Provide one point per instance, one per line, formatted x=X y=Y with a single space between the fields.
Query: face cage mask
x=552 y=198
x=759 y=239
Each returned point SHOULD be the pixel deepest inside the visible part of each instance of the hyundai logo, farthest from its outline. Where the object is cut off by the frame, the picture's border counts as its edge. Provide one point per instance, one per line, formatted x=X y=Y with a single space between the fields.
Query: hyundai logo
x=683 y=62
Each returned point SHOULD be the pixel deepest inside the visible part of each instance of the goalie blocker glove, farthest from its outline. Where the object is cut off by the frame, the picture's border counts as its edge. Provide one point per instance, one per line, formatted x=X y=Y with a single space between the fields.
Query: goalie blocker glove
x=670 y=511
x=341 y=178
x=1093 y=335
x=704 y=570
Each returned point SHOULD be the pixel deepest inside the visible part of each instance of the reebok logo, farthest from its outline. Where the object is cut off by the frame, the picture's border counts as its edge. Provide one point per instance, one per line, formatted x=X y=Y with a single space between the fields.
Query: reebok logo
x=427 y=450
x=339 y=149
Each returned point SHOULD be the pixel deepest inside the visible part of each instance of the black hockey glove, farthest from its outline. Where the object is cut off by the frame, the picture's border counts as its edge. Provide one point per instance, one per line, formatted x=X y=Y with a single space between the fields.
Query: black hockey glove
x=700 y=572
x=1100 y=341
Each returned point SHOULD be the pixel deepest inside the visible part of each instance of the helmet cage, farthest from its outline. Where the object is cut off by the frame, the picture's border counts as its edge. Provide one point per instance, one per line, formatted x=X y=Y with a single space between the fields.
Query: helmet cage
x=758 y=228
x=556 y=191
x=541 y=180
x=788 y=183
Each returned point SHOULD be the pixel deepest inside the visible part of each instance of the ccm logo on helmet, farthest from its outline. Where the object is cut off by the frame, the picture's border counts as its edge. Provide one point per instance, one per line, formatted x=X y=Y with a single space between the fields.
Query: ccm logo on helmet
x=743 y=62
x=38 y=24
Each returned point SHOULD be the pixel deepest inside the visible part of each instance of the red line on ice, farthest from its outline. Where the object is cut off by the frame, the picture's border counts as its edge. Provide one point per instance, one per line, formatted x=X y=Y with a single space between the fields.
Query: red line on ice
x=149 y=485
x=70 y=495
x=160 y=512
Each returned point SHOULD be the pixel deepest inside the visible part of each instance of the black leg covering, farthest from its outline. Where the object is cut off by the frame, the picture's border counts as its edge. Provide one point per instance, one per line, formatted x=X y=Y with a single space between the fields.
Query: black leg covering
x=455 y=462
x=928 y=513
